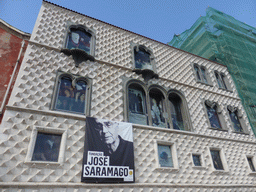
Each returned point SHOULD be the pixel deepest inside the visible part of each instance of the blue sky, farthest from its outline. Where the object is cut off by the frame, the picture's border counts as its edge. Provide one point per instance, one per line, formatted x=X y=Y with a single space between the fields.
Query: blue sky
x=156 y=19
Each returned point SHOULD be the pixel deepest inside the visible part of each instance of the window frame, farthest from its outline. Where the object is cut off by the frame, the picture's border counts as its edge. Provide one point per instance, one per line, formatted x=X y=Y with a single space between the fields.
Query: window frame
x=147 y=50
x=184 y=110
x=147 y=88
x=70 y=25
x=74 y=78
x=174 y=153
x=240 y=118
x=224 y=81
x=207 y=76
x=251 y=172
x=48 y=130
x=201 y=161
x=222 y=158
x=219 y=113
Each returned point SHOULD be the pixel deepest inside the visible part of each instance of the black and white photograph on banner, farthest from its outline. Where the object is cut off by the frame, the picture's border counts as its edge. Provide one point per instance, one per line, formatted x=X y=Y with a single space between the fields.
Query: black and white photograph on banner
x=108 y=152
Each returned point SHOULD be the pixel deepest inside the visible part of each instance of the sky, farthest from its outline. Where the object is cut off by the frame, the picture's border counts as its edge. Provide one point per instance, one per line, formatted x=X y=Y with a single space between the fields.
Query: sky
x=156 y=19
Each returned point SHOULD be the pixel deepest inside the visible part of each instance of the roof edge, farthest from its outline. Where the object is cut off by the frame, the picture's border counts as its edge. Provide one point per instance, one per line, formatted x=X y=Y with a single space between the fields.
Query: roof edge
x=6 y=26
x=131 y=32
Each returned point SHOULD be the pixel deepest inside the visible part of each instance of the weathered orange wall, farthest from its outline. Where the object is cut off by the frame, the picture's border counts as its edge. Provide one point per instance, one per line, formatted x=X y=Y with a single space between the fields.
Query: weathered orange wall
x=10 y=46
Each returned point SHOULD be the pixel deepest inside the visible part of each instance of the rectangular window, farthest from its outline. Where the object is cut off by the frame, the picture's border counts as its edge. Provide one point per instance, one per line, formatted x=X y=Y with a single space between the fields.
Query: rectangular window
x=165 y=156
x=217 y=163
x=197 y=160
x=235 y=119
x=213 y=116
x=251 y=165
x=201 y=74
x=221 y=80
x=47 y=147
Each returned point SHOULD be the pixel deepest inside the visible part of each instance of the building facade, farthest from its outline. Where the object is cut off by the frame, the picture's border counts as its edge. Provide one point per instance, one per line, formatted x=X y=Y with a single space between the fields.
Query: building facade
x=219 y=37
x=13 y=46
x=188 y=133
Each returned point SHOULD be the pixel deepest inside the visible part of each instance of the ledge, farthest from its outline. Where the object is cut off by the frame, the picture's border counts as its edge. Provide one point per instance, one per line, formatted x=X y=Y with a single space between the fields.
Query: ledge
x=129 y=69
x=166 y=169
x=111 y=185
x=188 y=133
x=54 y=113
x=217 y=129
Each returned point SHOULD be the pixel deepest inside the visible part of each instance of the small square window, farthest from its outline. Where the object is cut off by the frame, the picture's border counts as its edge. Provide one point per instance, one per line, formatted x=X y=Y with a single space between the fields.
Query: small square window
x=251 y=165
x=217 y=163
x=47 y=147
x=197 y=160
x=165 y=156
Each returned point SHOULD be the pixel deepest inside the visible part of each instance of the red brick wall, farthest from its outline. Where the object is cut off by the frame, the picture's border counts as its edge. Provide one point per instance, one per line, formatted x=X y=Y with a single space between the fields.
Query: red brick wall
x=10 y=46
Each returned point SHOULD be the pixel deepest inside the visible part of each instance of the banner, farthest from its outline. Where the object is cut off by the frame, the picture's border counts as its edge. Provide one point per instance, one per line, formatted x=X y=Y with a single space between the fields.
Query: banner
x=108 y=152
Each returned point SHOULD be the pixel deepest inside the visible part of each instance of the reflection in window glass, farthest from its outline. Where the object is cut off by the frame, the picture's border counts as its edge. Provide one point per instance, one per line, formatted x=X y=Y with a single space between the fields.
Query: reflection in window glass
x=79 y=39
x=204 y=75
x=165 y=156
x=213 y=117
x=142 y=59
x=157 y=108
x=137 y=109
x=71 y=98
x=196 y=160
x=223 y=81
x=216 y=159
x=176 y=113
x=235 y=121
x=47 y=147
x=251 y=163
x=197 y=73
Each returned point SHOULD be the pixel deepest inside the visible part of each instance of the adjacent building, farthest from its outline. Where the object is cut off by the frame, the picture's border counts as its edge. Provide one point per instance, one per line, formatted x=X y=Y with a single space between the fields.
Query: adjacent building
x=13 y=45
x=219 y=37
x=189 y=134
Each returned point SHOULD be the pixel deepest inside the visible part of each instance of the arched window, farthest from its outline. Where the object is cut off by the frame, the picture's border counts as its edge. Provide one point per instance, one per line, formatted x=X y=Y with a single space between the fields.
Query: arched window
x=176 y=111
x=201 y=74
x=137 y=110
x=80 y=37
x=71 y=93
x=149 y=105
x=158 y=108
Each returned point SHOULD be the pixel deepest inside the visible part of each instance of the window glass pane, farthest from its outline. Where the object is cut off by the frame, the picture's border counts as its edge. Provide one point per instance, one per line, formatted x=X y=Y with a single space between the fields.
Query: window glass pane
x=157 y=108
x=175 y=103
x=196 y=160
x=142 y=60
x=251 y=163
x=137 y=108
x=235 y=121
x=79 y=39
x=204 y=75
x=47 y=147
x=216 y=160
x=197 y=73
x=71 y=98
x=213 y=117
x=218 y=80
x=223 y=81
x=165 y=156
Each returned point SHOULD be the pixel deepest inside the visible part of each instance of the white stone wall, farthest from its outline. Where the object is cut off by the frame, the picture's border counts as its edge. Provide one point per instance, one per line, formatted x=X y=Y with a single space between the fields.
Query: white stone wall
x=29 y=107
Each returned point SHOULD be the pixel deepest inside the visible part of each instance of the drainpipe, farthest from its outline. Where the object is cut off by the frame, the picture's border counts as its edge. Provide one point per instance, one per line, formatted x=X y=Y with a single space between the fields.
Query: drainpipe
x=12 y=77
